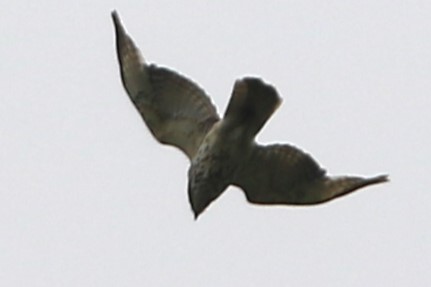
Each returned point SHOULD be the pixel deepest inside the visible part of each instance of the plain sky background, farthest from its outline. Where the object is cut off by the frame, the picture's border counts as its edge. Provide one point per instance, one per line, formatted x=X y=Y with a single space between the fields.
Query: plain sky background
x=89 y=198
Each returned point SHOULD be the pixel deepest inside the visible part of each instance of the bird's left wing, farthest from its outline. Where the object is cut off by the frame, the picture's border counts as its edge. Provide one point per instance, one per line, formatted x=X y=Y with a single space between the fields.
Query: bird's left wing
x=283 y=174
x=176 y=110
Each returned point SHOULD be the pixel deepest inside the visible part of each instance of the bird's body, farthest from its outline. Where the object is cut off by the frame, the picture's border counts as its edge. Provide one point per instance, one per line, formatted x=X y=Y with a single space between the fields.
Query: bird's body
x=223 y=152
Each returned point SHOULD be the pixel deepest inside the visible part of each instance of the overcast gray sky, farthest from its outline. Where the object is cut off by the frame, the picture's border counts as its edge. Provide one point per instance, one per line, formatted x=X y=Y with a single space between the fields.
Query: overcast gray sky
x=89 y=198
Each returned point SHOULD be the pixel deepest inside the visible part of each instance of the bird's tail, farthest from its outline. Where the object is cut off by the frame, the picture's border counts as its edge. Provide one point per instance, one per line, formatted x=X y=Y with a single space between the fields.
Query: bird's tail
x=251 y=104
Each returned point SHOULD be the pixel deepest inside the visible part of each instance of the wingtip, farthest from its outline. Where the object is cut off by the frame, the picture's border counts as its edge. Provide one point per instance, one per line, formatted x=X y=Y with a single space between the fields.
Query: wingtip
x=115 y=17
x=120 y=31
x=380 y=178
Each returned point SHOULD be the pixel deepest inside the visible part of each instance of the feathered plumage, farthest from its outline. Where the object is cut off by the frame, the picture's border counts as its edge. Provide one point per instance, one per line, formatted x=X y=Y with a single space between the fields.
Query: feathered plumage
x=223 y=152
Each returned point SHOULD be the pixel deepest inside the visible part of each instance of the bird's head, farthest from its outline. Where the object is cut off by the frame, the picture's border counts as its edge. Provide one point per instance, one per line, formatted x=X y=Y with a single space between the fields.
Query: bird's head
x=202 y=192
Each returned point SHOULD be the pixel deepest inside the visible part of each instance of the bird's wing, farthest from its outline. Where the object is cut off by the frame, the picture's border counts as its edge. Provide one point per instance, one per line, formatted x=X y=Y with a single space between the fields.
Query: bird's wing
x=176 y=110
x=283 y=174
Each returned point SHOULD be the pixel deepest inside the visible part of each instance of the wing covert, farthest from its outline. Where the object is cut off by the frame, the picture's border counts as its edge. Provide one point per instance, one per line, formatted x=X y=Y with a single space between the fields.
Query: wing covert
x=276 y=174
x=176 y=110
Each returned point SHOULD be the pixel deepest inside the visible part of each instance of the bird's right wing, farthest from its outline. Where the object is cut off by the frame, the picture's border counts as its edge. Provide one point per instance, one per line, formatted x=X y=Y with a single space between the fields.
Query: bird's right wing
x=176 y=110
x=283 y=174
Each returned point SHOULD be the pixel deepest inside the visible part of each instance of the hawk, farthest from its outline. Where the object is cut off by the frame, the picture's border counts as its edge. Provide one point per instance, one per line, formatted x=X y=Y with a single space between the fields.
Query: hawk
x=223 y=151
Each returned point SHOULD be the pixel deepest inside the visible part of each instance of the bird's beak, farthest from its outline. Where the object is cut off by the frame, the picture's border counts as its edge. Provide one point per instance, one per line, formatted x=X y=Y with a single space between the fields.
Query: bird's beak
x=196 y=215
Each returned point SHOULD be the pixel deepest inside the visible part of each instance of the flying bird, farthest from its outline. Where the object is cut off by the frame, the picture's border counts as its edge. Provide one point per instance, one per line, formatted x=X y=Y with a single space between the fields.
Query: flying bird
x=223 y=151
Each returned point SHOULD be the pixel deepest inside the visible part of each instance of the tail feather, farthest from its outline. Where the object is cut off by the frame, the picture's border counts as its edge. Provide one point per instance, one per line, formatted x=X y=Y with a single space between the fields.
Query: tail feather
x=251 y=105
